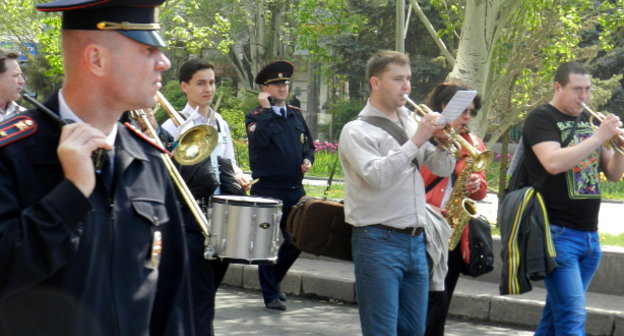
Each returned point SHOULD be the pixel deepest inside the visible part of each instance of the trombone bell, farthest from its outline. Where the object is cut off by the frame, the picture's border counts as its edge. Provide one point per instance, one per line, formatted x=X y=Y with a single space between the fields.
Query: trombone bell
x=195 y=145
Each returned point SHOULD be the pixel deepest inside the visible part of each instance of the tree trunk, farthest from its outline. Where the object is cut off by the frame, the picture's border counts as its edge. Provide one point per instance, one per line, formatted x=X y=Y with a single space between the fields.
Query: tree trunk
x=314 y=88
x=483 y=21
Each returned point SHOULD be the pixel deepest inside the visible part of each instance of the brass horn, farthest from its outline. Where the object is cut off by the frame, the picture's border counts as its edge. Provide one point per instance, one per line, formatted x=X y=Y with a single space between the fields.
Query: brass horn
x=195 y=143
x=613 y=143
x=481 y=159
x=185 y=192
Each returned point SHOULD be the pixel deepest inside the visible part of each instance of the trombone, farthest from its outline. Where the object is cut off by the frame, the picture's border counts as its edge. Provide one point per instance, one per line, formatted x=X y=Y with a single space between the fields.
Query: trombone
x=481 y=159
x=185 y=192
x=196 y=143
x=192 y=153
x=613 y=143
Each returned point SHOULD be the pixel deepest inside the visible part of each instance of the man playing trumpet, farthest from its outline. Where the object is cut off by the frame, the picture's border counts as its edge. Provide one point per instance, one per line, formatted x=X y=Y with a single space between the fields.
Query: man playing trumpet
x=571 y=191
x=385 y=201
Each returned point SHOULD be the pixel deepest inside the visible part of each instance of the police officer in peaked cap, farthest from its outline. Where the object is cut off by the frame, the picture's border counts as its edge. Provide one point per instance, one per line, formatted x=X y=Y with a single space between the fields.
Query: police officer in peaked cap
x=92 y=250
x=281 y=151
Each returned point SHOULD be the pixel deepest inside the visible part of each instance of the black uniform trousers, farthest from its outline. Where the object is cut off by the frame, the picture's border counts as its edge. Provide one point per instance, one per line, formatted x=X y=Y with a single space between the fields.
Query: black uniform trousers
x=206 y=276
x=439 y=301
x=271 y=275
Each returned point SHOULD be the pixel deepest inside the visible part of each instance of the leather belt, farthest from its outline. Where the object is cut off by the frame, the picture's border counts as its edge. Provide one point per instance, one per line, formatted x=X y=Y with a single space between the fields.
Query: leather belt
x=408 y=230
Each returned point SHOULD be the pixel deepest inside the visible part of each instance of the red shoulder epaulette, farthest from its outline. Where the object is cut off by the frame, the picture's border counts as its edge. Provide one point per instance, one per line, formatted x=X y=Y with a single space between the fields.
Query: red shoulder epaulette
x=257 y=111
x=295 y=107
x=16 y=128
x=142 y=136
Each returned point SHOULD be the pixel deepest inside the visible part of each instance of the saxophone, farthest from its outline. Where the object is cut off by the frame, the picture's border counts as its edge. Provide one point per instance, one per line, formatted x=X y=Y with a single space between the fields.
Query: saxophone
x=461 y=208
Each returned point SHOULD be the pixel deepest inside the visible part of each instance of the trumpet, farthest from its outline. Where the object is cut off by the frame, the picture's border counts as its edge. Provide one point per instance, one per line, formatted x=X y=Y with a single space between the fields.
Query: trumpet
x=613 y=143
x=195 y=143
x=481 y=159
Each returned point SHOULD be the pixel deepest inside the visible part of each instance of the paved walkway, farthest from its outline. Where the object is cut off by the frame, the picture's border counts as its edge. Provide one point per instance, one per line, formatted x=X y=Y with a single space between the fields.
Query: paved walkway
x=474 y=299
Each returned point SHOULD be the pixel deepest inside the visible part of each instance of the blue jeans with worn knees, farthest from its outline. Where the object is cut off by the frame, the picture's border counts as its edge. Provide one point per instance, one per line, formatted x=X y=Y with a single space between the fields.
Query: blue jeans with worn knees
x=578 y=258
x=392 y=281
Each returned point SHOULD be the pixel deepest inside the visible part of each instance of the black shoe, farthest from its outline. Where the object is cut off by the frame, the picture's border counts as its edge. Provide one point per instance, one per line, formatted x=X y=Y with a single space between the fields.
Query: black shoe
x=275 y=304
x=282 y=296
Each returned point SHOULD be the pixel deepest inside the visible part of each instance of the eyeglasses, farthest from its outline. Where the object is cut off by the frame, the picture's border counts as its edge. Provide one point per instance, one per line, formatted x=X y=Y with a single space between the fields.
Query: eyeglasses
x=472 y=112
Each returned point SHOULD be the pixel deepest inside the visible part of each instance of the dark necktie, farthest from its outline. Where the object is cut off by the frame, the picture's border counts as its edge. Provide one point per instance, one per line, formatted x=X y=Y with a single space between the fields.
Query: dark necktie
x=107 y=172
x=283 y=112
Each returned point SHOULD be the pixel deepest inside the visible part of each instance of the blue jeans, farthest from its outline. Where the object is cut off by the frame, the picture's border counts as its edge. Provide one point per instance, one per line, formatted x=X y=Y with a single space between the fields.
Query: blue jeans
x=392 y=281
x=578 y=258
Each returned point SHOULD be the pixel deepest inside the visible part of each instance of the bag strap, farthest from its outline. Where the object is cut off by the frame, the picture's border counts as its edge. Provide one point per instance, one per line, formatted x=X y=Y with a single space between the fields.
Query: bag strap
x=567 y=140
x=331 y=178
x=391 y=128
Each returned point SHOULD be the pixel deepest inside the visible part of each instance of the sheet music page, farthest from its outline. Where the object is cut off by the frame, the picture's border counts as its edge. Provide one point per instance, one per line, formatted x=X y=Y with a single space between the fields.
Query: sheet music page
x=457 y=105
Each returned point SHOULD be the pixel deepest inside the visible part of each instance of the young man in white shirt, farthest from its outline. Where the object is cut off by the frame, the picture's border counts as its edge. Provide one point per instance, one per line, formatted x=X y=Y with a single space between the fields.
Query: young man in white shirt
x=197 y=80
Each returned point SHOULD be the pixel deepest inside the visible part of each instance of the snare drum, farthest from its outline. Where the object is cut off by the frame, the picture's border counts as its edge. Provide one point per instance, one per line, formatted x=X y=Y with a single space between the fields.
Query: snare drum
x=245 y=229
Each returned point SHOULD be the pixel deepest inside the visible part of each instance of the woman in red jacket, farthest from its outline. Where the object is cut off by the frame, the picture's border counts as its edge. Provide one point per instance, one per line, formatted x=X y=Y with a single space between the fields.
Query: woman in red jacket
x=438 y=192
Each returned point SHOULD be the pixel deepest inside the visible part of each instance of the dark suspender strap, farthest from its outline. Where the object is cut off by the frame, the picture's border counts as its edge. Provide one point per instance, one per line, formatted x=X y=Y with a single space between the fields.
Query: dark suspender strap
x=433 y=184
x=391 y=128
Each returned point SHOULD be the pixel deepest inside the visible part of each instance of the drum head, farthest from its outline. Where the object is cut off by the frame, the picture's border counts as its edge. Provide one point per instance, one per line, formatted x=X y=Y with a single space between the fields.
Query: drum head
x=253 y=201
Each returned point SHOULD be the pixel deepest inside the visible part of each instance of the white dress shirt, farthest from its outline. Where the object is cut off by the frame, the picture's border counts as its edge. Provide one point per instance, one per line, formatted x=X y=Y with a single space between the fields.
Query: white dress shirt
x=12 y=109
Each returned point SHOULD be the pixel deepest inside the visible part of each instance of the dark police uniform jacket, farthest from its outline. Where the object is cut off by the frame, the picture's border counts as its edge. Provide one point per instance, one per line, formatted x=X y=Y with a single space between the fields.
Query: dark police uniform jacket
x=76 y=266
x=278 y=146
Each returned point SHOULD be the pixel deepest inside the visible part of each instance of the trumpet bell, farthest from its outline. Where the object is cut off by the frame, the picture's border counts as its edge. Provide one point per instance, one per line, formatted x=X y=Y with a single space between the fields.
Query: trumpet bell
x=195 y=145
x=483 y=160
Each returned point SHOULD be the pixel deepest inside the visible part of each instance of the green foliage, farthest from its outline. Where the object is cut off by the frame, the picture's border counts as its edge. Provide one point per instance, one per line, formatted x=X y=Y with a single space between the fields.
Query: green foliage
x=323 y=163
x=336 y=191
x=320 y=21
x=171 y=90
x=50 y=44
x=236 y=120
x=38 y=81
x=342 y=112
x=241 y=153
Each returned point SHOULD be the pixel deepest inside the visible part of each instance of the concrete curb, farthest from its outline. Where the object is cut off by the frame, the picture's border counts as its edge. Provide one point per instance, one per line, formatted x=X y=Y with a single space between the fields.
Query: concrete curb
x=474 y=299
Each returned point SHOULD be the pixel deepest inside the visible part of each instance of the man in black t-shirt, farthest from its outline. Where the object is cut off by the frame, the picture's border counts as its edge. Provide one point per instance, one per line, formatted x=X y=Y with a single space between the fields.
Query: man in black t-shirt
x=571 y=192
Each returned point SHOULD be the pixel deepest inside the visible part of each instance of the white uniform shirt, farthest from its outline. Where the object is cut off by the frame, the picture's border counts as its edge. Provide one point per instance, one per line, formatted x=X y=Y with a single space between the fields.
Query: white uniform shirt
x=225 y=146
x=382 y=186
x=12 y=109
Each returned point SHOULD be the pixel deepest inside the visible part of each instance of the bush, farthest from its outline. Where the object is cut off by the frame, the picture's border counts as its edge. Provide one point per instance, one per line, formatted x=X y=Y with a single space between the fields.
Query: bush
x=342 y=112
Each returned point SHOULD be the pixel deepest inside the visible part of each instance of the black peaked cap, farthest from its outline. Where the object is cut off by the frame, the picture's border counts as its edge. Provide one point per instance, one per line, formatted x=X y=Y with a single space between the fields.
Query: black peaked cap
x=275 y=72
x=136 y=19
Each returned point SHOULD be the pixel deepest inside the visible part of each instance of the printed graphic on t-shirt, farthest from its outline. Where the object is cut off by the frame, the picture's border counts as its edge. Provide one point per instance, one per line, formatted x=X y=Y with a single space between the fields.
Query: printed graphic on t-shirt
x=584 y=179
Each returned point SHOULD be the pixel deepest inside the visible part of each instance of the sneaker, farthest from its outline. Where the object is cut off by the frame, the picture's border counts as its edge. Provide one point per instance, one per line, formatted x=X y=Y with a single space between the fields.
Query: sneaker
x=275 y=304
x=282 y=296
